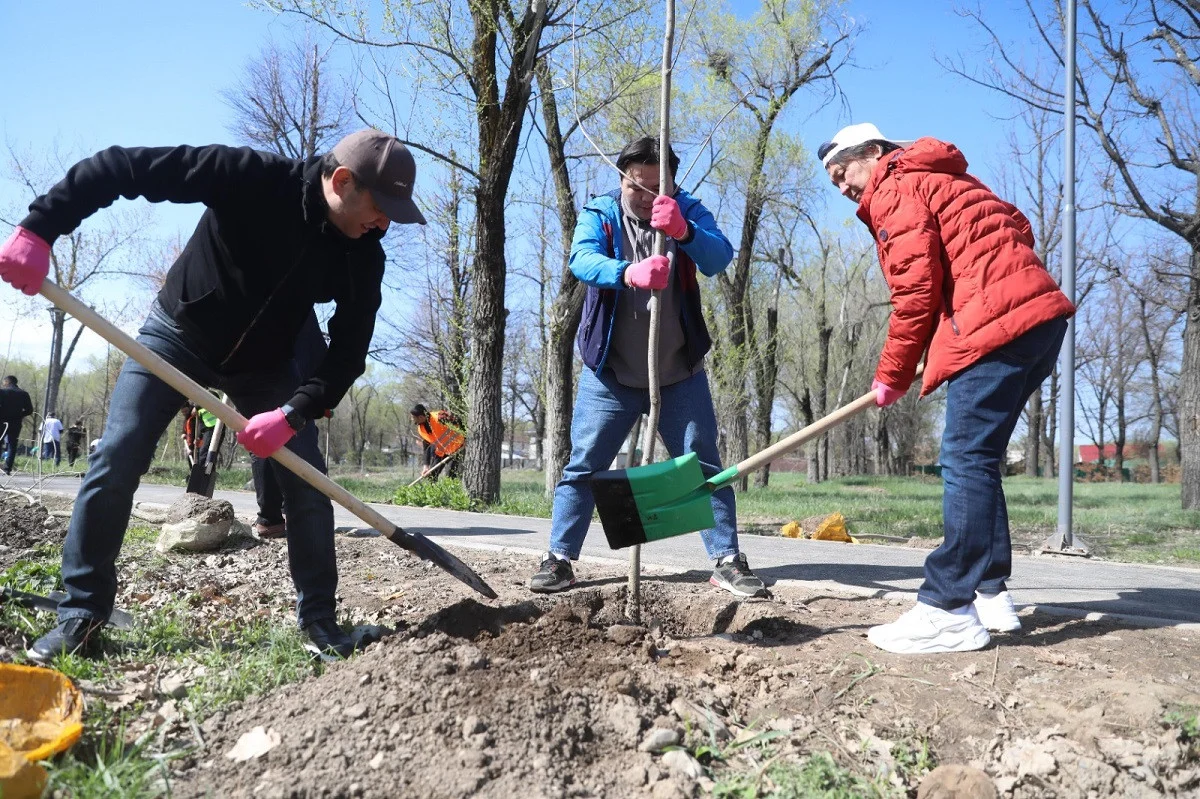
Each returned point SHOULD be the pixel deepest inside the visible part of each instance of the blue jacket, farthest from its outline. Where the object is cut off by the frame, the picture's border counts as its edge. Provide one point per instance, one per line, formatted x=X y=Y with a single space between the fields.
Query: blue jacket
x=597 y=259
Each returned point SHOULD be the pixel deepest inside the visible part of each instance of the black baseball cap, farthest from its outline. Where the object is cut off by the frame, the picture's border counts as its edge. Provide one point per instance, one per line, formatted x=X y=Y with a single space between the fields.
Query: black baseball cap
x=386 y=168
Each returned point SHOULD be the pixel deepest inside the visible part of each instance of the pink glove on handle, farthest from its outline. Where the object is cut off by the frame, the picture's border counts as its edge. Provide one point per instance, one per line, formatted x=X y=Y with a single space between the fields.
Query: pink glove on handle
x=667 y=217
x=265 y=433
x=24 y=261
x=649 y=274
x=885 y=395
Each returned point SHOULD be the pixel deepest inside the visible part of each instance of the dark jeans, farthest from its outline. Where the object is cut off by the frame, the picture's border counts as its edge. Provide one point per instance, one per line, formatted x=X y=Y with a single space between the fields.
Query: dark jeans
x=50 y=449
x=10 y=433
x=310 y=351
x=266 y=489
x=142 y=407
x=983 y=404
x=605 y=412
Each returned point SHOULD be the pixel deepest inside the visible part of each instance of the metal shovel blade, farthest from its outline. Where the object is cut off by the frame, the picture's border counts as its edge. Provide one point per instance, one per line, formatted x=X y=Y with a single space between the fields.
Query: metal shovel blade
x=425 y=549
x=648 y=503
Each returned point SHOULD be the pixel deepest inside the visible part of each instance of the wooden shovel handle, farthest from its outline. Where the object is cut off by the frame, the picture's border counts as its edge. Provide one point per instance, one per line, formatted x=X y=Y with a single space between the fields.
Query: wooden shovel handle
x=817 y=428
x=197 y=394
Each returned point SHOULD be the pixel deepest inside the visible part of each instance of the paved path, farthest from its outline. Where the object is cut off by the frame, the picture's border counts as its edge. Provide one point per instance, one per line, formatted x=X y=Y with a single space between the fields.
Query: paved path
x=1088 y=585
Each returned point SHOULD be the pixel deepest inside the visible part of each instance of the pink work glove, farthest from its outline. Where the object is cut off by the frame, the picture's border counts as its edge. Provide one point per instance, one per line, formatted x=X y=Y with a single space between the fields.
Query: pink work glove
x=24 y=261
x=265 y=433
x=667 y=217
x=885 y=395
x=650 y=274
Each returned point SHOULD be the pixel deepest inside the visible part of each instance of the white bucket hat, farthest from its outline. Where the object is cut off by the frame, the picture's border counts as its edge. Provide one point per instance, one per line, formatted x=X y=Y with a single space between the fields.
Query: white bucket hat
x=852 y=136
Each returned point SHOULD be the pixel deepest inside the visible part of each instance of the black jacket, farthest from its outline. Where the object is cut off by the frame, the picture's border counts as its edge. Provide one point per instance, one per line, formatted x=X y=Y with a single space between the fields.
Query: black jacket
x=15 y=404
x=262 y=255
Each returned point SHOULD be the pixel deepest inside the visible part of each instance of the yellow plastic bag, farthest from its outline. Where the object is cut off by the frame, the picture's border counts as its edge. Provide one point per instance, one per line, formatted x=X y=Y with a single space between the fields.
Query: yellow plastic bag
x=41 y=715
x=791 y=530
x=833 y=529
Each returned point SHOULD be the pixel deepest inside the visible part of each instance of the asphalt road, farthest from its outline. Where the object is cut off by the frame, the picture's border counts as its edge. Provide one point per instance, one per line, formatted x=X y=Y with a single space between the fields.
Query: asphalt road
x=1081 y=585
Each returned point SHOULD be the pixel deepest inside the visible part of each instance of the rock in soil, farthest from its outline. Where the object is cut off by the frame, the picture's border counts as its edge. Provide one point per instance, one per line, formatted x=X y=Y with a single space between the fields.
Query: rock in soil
x=954 y=781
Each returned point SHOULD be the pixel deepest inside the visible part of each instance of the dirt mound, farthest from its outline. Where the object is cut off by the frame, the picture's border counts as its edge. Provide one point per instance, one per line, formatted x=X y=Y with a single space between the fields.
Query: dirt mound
x=559 y=697
x=527 y=699
x=24 y=524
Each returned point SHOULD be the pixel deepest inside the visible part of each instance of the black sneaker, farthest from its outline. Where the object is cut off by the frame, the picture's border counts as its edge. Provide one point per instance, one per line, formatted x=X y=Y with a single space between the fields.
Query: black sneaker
x=329 y=639
x=79 y=635
x=553 y=576
x=734 y=576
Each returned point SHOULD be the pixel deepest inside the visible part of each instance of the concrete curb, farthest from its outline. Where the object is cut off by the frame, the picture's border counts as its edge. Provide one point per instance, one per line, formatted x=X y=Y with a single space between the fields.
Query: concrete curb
x=864 y=593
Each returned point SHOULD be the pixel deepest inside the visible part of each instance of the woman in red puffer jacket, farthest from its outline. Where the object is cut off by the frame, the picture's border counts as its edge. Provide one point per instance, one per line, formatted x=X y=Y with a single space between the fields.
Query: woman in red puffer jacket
x=969 y=293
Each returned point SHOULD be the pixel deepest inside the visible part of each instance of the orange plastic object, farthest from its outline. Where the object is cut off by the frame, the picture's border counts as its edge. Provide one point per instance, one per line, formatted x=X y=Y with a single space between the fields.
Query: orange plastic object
x=833 y=529
x=41 y=711
x=19 y=778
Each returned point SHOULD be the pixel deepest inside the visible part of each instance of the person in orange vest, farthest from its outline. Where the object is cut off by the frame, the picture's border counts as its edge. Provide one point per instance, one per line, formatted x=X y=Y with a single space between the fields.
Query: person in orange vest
x=442 y=433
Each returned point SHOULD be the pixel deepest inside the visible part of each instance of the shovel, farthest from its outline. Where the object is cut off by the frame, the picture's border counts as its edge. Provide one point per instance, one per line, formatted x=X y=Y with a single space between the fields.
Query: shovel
x=118 y=618
x=202 y=479
x=648 y=503
x=432 y=471
x=416 y=543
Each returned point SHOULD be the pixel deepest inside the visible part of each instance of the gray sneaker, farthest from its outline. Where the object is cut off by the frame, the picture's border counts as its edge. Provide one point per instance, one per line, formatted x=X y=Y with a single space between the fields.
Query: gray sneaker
x=554 y=575
x=734 y=576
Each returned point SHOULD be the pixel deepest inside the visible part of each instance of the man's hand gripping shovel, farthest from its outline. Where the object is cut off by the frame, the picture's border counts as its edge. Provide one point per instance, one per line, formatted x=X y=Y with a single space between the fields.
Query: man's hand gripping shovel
x=416 y=543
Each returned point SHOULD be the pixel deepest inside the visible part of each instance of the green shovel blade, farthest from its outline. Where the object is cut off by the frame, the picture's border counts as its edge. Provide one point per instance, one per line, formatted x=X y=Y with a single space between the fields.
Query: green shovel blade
x=647 y=503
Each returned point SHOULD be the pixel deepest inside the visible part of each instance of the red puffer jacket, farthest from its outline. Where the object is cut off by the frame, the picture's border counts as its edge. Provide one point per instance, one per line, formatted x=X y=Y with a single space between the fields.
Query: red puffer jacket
x=959 y=262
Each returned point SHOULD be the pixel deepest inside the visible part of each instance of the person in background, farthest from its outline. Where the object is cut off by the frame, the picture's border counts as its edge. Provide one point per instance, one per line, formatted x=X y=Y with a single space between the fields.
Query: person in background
x=52 y=430
x=15 y=405
x=75 y=436
x=441 y=432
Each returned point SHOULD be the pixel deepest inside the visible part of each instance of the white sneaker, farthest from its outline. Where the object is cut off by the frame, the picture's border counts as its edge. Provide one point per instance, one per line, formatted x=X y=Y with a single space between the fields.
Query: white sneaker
x=929 y=630
x=996 y=612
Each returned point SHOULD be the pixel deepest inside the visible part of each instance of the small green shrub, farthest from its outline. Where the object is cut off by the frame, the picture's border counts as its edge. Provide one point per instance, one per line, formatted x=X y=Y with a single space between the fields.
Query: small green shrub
x=445 y=493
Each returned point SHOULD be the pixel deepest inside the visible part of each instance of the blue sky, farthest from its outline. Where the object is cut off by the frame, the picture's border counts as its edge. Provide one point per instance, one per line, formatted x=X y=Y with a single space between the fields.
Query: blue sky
x=141 y=72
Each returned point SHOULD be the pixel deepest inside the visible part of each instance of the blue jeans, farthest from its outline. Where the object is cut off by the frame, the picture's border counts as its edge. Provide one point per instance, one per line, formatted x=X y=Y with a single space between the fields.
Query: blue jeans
x=142 y=408
x=983 y=404
x=605 y=412
x=50 y=450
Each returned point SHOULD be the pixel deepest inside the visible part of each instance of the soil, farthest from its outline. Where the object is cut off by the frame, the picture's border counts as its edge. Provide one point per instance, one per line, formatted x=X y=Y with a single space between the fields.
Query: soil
x=533 y=696
x=556 y=696
x=24 y=524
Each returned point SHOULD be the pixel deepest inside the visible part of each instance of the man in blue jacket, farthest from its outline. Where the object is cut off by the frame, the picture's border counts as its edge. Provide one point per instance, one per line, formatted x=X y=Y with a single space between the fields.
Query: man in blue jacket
x=278 y=236
x=612 y=252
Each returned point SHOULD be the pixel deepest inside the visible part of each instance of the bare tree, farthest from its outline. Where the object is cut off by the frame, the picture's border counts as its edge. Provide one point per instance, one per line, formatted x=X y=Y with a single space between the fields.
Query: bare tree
x=1137 y=88
x=288 y=103
x=764 y=62
x=80 y=260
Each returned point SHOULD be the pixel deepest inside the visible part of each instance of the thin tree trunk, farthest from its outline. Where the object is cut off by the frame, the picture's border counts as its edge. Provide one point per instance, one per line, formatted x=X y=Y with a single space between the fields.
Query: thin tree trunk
x=564 y=313
x=1189 y=391
x=1033 y=437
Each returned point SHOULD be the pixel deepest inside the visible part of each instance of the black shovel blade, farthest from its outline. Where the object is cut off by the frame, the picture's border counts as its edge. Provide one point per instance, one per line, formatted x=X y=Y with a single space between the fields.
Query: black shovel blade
x=202 y=480
x=49 y=604
x=425 y=549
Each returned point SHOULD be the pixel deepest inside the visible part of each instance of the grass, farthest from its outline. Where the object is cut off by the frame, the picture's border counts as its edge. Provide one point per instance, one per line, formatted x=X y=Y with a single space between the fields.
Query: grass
x=236 y=660
x=816 y=777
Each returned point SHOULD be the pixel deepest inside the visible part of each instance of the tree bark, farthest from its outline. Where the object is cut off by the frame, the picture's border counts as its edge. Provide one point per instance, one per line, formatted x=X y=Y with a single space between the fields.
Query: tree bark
x=1189 y=390
x=1033 y=437
x=499 y=123
x=565 y=311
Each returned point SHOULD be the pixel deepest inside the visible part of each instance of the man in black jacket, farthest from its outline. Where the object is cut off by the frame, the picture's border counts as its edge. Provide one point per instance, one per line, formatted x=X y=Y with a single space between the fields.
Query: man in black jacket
x=15 y=405
x=278 y=236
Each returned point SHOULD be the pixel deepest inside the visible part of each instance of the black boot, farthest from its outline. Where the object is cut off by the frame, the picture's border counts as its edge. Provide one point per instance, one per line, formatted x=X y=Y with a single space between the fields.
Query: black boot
x=80 y=635
x=328 y=638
